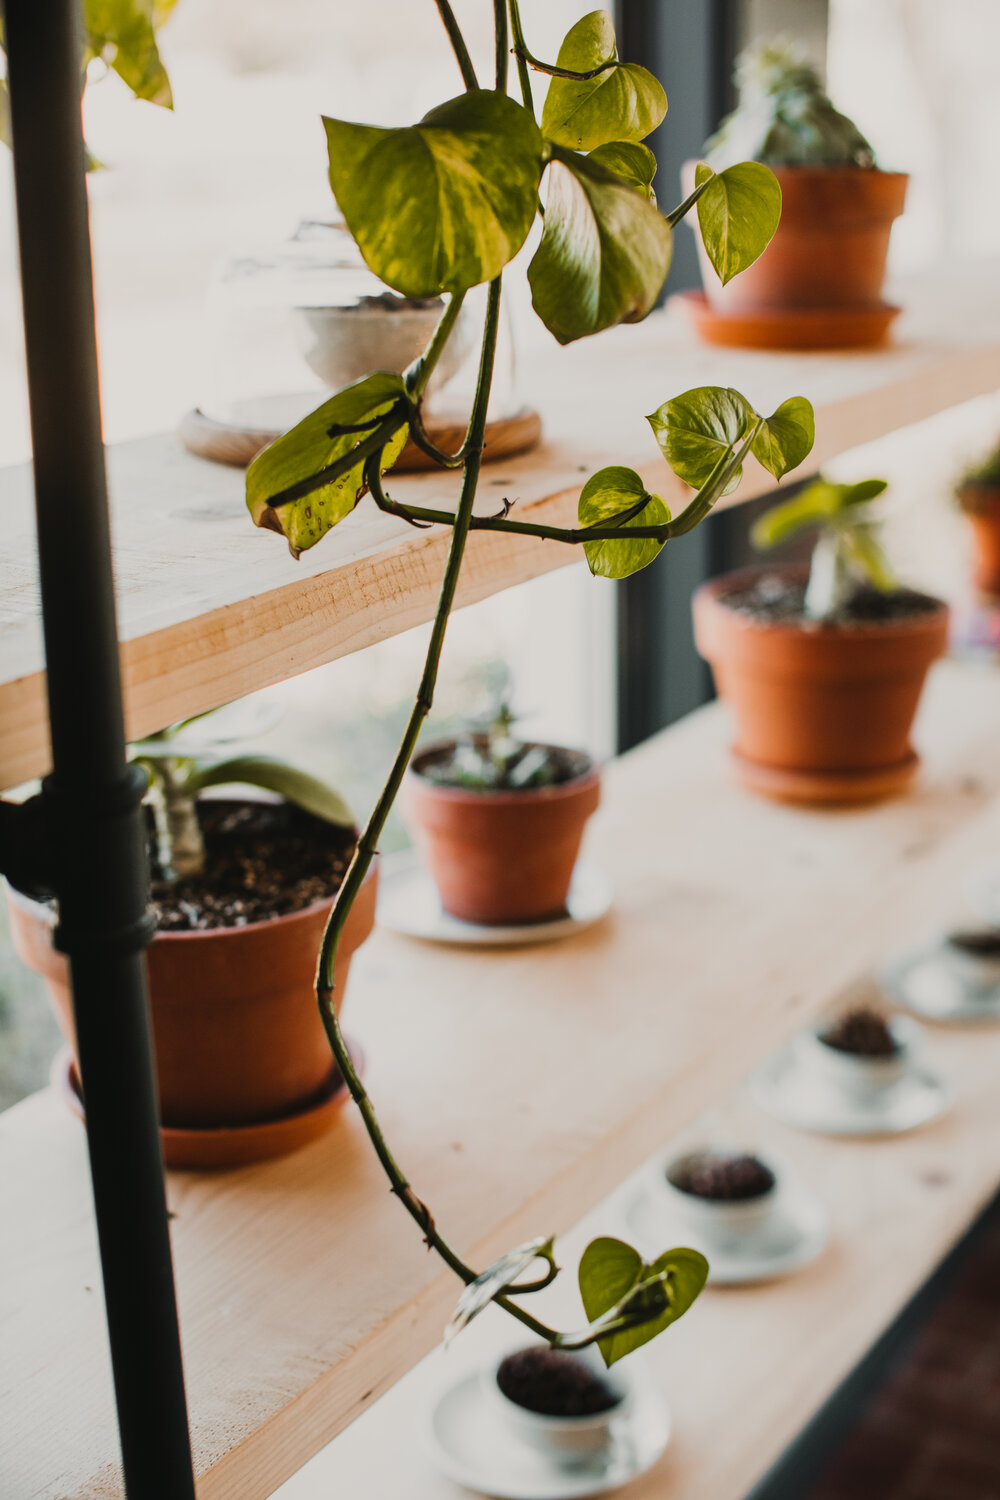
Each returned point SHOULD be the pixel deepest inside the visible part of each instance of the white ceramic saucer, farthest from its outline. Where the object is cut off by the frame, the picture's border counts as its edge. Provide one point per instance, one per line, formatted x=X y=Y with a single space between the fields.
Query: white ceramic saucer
x=927 y=982
x=794 y=1234
x=471 y=1446
x=409 y=903
x=793 y=1093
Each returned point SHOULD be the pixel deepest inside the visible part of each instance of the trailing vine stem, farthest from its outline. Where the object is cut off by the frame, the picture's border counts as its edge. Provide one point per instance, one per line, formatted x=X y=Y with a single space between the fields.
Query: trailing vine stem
x=520 y=54
x=458 y=46
x=552 y=70
x=692 y=514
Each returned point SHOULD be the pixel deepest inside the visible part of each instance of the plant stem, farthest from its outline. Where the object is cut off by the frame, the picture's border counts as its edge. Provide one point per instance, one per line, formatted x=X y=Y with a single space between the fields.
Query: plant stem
x=457 y=40
x=607 y=531
x=520 y=50
x=422 y=368
x=500 y=34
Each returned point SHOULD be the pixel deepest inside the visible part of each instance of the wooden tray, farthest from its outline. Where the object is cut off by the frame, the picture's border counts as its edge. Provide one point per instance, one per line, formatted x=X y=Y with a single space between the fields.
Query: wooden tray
x=228 y=444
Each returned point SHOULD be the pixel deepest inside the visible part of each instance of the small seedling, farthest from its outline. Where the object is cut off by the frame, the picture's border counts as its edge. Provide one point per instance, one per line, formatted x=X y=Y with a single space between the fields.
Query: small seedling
x=848 y=554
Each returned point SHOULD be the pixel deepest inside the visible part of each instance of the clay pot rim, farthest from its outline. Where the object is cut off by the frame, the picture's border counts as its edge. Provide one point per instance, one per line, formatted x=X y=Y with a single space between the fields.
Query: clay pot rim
x=563 y=790
x=983 y=496
x=715 y=590
x=46 y=914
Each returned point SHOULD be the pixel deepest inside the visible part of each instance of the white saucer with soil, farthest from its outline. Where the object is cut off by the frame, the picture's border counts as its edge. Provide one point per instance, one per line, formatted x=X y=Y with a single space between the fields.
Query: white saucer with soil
x=858 y=1075
x=750 y=1220
x=409 y=904
x=543 y=1424
x=955 y=978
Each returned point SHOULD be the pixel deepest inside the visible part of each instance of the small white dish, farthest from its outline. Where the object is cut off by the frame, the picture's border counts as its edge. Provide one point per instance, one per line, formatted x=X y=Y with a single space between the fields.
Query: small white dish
x=803 y=1097
x=941 y=984
x=471 y=1444
x=725 y=1224
x=409 y=904
x=864 y=1079
x=566 y=1440
x=792 y=1233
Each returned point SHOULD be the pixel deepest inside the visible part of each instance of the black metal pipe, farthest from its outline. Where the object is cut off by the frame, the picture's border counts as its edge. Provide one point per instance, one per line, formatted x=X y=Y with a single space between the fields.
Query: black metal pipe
x=92 y=797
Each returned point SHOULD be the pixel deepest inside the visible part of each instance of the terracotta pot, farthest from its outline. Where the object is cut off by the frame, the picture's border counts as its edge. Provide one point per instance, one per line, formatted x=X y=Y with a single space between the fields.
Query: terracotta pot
x=829 y=252
x=823 y=713
x=237 y=1034
x=981 y=503
x=500 y=858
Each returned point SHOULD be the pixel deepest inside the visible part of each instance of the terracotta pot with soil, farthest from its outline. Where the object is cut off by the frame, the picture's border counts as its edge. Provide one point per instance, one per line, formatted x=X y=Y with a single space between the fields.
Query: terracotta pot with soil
x=823 y=711
x=243 y=1064
x=823 y=667
x=980 y=500
x=818 y=284
x=500 y=855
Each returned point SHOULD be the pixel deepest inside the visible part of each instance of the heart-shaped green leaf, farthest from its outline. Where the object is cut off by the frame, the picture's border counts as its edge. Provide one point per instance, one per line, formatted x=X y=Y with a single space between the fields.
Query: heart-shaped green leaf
x=697 y=428
x=122 y=33
x=604 y=253
x=632 y=162
x=445 y=204
x=623 y=103
x=323 y=441
x=610 y=1270
x=307 y=792
x=609 y=493
x=738 y=212
x=786 y=437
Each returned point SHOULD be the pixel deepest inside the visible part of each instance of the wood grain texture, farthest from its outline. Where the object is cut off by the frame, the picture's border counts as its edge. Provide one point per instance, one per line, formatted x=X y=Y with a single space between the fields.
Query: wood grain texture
x=210 y=609
x=304 y=1291
x=748 y=1367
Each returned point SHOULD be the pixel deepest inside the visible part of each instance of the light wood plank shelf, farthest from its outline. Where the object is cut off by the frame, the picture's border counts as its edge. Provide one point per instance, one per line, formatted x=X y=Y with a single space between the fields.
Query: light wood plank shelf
x=749 y=1367
x=211 y=609
x=304 y=1294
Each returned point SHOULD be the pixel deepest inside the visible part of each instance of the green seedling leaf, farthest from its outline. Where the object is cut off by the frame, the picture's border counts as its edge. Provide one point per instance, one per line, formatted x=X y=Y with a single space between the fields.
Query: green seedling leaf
x=624 y=103
x=443 y=205
x=697 y=428
x=821 y=503
x=613 y=1276
x=738 y=212
x=632 y=162
x=610 y=493
x=323 y=440
x=495 y=1279
x=305 y=791
x=604 y=253
x=868 y=557
x=121 y=33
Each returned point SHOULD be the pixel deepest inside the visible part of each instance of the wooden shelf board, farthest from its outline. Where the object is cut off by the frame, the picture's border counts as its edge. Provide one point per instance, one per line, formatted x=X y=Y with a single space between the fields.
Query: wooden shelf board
x=211 y=609
x=304 y=1292
x=749 y=1367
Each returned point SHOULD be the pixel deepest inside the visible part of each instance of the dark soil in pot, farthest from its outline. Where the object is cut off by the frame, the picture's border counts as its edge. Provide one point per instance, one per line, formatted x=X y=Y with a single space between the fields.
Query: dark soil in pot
x=976 y=942
x=501 y=857
x=861 y=1033
x=726 y=1177
x=554 y=1383
x=262 y=860
x=823 y=710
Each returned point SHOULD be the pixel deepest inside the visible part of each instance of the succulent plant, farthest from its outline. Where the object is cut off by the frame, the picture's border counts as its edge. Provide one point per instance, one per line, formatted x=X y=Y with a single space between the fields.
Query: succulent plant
x=784 y=117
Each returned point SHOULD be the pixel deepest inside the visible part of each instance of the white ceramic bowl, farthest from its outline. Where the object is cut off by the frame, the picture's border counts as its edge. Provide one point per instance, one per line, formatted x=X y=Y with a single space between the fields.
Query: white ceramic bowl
x=718 y=1222
x=568 y=1440
x=978 y=969
x=860 y=1078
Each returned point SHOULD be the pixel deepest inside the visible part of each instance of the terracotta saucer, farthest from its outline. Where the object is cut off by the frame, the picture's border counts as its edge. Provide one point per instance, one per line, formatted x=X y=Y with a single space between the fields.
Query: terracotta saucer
x=791 y=328
x=209 y=1149
x=829 y=787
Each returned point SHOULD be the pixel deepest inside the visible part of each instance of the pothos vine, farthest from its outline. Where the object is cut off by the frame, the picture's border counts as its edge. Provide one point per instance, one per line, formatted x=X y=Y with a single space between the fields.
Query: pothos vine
x=436 y=209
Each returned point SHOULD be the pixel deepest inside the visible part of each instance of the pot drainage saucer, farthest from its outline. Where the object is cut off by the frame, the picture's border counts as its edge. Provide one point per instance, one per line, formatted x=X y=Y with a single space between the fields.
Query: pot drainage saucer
x=795 y=1234
x=926 y=982
x=793 y=1094
x=222 y=1147
x=471 y=1445
x=789 y=328
x=830 y=787
x=409 y=904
